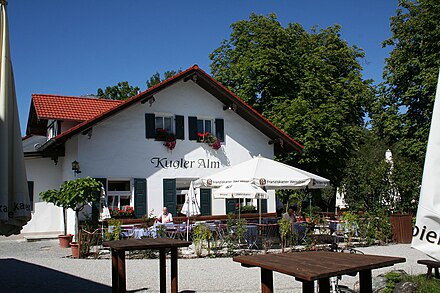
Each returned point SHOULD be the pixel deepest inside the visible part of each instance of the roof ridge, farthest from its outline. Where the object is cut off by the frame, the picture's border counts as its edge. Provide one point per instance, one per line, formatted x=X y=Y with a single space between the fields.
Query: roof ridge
x=78 y=97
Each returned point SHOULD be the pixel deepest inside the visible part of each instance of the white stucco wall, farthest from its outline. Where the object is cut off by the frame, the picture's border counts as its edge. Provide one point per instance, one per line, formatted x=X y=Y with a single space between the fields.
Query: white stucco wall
x=118 y=148
x=45 y=175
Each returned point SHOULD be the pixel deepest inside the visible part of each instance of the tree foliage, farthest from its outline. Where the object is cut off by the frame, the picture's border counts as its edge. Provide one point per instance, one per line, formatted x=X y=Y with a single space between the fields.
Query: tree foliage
x=366 y=183
x=308 y=83
x=74 y=194
x=156 y=79
x=121 y=91
x=372 y=183
x=403 y=109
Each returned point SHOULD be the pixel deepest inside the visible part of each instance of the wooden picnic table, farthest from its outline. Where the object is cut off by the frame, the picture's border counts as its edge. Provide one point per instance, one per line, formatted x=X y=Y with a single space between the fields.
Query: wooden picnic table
x=119 y=247
x=309 y=266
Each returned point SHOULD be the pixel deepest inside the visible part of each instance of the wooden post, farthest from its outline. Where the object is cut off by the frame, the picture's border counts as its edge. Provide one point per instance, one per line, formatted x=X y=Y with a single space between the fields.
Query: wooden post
x=324 y=285
x=162 y=271
x=121 y=271
x=115 y=281
x=266 y=281
x=174 y=270
x=309 y=287
x=365 y=282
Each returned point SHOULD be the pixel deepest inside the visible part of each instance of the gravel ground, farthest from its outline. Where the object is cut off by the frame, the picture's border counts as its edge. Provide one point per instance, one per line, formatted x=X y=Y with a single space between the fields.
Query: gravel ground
x=43 y=266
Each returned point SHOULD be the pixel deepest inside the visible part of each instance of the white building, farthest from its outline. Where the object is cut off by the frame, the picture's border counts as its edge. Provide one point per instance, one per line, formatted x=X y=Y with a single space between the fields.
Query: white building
x=121 y=144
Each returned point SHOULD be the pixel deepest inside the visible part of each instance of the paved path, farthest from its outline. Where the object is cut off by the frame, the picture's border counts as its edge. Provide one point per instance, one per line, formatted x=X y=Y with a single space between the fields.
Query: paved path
x=44 y=267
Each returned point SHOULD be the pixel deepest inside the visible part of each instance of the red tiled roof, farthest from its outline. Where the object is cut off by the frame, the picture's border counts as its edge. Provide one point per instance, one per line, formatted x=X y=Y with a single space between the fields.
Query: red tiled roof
x=70 y=108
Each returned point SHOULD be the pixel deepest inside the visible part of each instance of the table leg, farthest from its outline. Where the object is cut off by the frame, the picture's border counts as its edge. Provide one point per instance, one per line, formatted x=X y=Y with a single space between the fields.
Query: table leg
x=324 y=285
x=365 y=282
x=121 y=271
x=266 y=281
x=174 y=270
x=309 y=287
x=162 y=271
x=115 y=282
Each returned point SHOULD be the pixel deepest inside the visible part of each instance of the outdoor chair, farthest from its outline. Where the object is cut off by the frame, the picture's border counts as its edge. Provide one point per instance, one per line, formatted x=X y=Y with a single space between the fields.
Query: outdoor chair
x=251 y=236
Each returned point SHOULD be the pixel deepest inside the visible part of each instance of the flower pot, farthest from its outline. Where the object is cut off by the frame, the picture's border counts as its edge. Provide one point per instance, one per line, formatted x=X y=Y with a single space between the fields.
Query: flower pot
x=75 y=249
x=65 y=240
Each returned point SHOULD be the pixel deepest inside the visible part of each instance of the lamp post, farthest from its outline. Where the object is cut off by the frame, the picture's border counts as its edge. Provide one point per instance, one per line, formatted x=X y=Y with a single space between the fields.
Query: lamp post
x=76 y=168
x=309 y=196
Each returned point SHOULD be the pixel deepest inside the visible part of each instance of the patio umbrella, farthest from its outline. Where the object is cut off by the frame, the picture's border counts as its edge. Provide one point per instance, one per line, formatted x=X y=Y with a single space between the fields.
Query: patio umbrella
x=15 y=209
x=266 y=173
x=428 y=212
x=241 y=190
x=190 y=207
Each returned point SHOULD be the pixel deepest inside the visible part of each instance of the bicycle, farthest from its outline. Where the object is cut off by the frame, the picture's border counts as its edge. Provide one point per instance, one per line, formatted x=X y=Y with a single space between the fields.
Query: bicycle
x=334 y=281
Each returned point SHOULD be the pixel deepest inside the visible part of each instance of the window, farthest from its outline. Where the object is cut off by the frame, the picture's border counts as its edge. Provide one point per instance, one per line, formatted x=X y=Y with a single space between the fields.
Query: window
x=158 y=126
x=53 y=128
x=164 y=123
x=163 y=126
x=118 y=194
x=198 y=125
x=204 y=125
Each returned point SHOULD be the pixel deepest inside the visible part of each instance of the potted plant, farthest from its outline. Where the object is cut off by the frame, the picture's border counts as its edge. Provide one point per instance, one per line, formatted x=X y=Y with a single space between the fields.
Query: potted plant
x=75 y=194
x=53 y=196
x=209 y=139
x=170 y=141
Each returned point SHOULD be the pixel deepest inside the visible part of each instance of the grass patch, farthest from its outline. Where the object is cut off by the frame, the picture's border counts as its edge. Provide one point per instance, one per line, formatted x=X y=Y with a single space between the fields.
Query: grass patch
x=424 y=285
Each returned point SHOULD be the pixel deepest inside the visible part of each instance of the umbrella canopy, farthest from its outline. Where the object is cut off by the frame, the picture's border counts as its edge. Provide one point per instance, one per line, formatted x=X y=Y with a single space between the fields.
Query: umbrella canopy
x=428 y=212
x=266 y=173
x=190 y=207
x=105 y=214
x=15 y=209
x=240 y=190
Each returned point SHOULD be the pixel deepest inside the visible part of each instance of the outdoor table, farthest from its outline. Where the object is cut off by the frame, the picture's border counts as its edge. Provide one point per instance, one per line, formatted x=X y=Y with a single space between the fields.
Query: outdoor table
x=267 y=230
x=119 y=247
x=309 y=266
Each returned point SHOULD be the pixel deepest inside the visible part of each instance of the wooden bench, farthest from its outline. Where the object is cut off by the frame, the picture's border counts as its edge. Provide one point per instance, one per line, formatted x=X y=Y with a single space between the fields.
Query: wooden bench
x=431 y=264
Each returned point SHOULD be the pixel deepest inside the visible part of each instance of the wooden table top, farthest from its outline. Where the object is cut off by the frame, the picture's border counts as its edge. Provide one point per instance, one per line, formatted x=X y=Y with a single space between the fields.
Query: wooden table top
x=313 y=265
x=146 y=243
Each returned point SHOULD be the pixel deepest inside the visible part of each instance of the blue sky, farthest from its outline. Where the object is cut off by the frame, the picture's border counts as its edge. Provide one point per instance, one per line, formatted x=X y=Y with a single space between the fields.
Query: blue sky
x=74 y=47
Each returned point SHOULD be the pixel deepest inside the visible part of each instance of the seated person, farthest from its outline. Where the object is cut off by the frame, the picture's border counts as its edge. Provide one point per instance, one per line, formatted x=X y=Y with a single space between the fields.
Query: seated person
x=291 y=214
x=164 y=217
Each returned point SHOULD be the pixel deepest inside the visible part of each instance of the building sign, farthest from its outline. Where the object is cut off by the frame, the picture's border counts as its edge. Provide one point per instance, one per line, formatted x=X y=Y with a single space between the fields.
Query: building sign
x=181 y=163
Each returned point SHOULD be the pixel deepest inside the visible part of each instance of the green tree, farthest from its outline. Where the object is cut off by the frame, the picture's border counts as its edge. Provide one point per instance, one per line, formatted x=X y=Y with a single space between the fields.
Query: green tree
x=156 y=79
x=308 y=83
x=74 y=194
x=366 y=183
x=121 y=91
x=403 y=109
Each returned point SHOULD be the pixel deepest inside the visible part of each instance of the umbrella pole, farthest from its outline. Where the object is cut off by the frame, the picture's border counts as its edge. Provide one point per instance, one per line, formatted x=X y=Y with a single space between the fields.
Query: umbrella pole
x=187 y=229
x=259 y=211
x=239 y=208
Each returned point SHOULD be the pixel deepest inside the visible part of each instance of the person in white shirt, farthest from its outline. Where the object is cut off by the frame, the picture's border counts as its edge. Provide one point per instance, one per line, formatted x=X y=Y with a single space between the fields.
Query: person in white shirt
x=291 y=214
x=164 y=217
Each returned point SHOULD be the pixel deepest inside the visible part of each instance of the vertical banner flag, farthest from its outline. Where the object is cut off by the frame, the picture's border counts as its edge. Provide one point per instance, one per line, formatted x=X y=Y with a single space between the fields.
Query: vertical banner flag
x=15 y=210
x=426 y=234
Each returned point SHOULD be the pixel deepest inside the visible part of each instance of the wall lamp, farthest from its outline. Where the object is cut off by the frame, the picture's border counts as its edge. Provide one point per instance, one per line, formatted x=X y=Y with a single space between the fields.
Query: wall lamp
x=192 y=77
x=232 y=107
x=75 y=167
x=276 y=140
x=149 y=99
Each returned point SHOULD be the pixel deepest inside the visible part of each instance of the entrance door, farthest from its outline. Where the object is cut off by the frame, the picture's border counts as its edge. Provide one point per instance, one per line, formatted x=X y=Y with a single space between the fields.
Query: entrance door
x=230 y=206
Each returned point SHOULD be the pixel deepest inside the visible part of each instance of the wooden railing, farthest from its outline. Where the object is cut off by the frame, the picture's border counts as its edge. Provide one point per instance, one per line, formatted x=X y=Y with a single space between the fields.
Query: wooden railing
x=206 y=218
